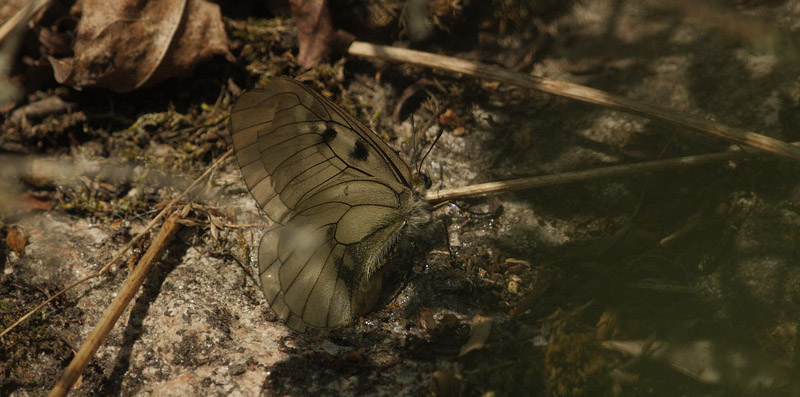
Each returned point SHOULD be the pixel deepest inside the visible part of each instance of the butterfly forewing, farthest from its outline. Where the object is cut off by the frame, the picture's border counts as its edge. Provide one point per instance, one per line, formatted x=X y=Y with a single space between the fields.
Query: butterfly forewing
x=338 y=194
x=291 y=134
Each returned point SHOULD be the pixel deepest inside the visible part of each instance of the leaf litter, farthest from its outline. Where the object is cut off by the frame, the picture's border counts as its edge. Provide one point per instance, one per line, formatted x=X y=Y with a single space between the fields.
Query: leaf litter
x=122 y=47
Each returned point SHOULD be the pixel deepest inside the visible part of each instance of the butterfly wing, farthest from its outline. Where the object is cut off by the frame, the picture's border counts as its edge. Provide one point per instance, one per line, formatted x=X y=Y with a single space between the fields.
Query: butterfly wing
x=290 y=141
x=315 y=268
x=338 y=194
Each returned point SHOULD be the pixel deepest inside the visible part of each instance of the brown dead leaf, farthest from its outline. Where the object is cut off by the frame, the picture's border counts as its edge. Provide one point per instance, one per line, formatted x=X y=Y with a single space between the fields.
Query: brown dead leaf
x=445 y=383
x=128 y=44
x=478 y=334
x=214 y=231
x=215 y=224
x=517 y=266
x=450 y=119
x=355 y=356
x=536 y=289
x=314 y=30
x=16 y=241
x=315 y=34
x=35 y=202
x=426 y=320
x=607 y=324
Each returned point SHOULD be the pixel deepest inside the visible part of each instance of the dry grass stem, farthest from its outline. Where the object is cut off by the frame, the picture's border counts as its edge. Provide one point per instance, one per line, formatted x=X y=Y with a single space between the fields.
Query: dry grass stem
x=484 y=189
x=580 y=93
x=117 y=307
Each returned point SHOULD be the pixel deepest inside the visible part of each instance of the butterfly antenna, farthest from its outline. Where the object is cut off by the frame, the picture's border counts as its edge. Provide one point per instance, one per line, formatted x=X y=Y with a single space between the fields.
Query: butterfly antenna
x=430 y=148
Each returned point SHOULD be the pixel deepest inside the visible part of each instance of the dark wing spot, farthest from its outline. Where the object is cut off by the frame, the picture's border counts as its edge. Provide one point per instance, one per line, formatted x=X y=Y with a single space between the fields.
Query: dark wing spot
x=359 y=152
x=329 y=134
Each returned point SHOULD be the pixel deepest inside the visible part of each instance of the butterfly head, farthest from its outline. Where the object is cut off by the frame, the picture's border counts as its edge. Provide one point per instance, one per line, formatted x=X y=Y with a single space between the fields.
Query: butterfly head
x=422 y=181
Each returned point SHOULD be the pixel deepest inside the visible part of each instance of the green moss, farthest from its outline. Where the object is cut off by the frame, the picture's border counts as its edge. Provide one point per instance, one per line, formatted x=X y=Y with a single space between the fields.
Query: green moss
x=575 y=367
x=575 y=364
x=257 y=30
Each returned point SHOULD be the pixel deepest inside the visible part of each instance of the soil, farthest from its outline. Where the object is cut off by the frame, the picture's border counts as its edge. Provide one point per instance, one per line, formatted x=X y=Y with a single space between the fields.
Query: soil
x=688 y=258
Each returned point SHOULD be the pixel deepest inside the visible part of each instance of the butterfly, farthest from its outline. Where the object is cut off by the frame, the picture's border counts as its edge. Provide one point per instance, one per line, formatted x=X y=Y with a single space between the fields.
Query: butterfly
x=338 y=195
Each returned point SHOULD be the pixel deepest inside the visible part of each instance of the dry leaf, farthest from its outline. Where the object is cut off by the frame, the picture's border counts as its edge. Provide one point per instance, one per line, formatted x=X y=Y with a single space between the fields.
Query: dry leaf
x=216 y=221
x=540 y=284
x=314 y=30
x=35 y=202
x=607 y=324
x=355 y=356
x=315 y=34
x=478 y=334
x=513 y=284
x=426 y=320
x=444 y=383
x=127 y=44
x=16 y=241
x=15 y=17
x=450 y=119
x=214 y=230
x=517 y=266
x=185 y=210
x=215 y=224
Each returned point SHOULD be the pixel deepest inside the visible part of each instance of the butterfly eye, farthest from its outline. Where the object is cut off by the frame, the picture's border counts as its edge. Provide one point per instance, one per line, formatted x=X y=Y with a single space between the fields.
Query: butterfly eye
x=338 y=195
x=425 y=179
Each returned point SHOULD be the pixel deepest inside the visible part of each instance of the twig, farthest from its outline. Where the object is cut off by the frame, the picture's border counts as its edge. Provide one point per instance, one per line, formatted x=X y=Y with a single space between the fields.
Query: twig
x=64 y=338
x=115 y=309
x=244 y=225
x=578 y=92
x=577 y=176
x=124 y=249
x=22 y=16
x=12 y=32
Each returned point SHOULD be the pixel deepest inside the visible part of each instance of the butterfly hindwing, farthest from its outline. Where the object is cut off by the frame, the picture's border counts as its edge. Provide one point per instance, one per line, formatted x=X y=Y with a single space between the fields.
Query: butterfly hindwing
x=317 y=265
